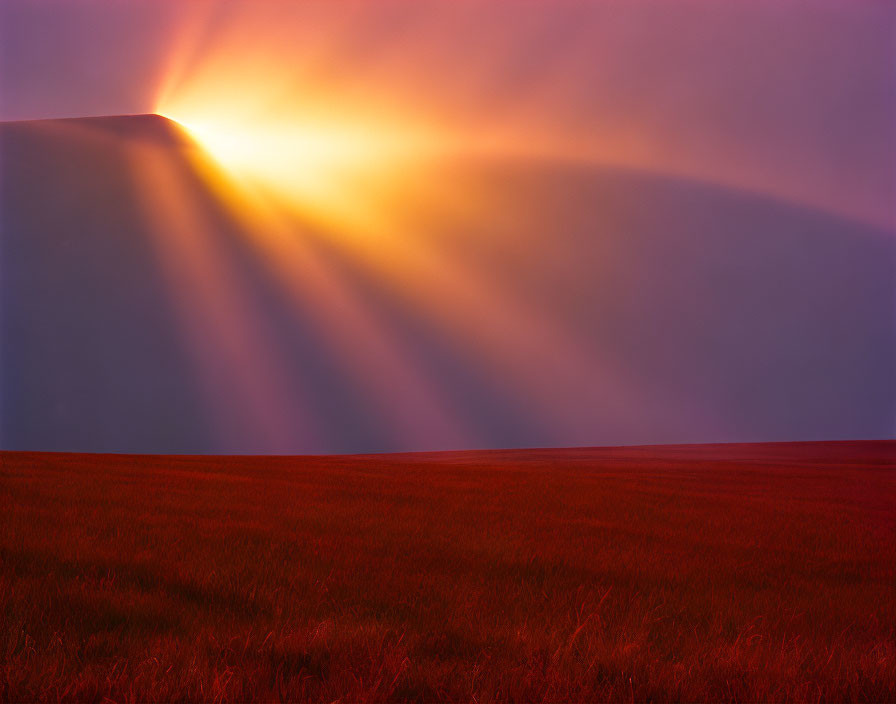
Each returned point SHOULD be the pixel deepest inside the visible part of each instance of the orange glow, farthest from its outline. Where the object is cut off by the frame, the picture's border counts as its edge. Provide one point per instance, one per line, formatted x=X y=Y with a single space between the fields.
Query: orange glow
x=314 y=162
x=270 y=115
x=362 y=164
x=319 y=100
x=343 y=144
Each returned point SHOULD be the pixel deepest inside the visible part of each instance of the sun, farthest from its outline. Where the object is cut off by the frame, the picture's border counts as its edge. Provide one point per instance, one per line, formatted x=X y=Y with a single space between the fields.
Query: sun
x=311 y=161
x=288 y=153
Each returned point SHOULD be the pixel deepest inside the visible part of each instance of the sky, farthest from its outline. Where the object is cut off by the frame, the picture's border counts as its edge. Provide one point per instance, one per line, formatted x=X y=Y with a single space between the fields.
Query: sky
x=778 y=97
x=417 y=226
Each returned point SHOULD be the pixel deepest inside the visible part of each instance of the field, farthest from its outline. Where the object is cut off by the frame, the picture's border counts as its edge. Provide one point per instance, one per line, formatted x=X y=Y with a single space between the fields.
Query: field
x=717 y=573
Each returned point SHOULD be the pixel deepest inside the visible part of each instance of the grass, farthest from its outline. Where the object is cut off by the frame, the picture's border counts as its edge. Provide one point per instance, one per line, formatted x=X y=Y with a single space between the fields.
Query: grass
x=702 y=573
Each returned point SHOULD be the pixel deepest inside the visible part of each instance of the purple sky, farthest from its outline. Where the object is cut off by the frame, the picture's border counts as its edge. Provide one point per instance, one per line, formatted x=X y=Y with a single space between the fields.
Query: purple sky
x=689 y=235
x=797 y=99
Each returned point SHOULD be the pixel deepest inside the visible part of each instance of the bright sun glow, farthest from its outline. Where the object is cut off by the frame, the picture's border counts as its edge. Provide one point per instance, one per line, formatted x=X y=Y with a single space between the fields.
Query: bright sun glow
x=313 y=163
x=282 y=120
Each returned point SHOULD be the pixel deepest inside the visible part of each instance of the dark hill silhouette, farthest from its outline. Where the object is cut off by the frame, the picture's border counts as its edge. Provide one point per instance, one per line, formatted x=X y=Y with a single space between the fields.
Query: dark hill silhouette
x=741 y=318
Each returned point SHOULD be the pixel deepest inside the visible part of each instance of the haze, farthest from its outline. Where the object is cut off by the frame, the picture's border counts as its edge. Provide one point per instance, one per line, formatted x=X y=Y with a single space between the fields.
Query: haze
x=406 y=226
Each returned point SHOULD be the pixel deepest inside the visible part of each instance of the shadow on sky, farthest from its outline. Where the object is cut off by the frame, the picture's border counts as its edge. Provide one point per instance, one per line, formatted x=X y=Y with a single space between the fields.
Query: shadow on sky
x=738 y=318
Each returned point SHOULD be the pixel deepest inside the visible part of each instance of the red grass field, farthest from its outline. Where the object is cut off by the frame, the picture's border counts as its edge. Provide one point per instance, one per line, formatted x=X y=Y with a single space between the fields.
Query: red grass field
x=736 y=573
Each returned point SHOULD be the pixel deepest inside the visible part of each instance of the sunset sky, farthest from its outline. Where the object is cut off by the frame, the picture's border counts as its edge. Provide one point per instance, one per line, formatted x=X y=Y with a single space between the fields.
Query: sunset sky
x=467 y=224
x=780 y=98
